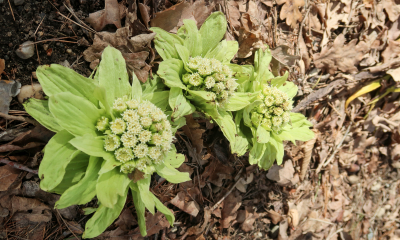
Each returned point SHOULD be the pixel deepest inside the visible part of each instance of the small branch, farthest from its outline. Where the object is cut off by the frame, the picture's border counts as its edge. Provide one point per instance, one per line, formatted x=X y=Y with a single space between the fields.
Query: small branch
x=300 y=31
x=226 y=195
x=18 y=166
x=19 y=118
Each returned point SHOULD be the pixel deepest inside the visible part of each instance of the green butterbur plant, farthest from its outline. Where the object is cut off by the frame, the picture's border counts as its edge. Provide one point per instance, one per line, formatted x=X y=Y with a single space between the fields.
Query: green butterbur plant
x=197 y=68
x=110 y=137
x=269 y=117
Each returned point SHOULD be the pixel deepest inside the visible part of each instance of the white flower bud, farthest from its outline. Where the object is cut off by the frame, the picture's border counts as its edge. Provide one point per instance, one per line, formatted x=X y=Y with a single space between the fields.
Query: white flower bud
x=133 y=104
x=226 y=70
x=269 y=101
x=102 y=124
x=277 y=121
x=155 y=152
x=145 y=108
x=111 y=142
x=156 y=139
x=146 y=122
x=209 y=82
x=128 y=167
x=286 y=117
x=141 y=150
x=205 y=68
x=157 y=115
x=278 y=111
x=195 y=79
x=195 y=62
x=219 y=87
x=216 y=65
x=219 y=77
x=129 y=139
x=119 y=105
x=118 y=126
x=144 y=136
x=135 y=127
x=124 y=154
x=130 y=116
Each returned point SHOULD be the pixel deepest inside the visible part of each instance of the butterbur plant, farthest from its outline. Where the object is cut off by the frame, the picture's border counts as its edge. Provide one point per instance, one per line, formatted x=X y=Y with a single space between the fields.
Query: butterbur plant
x=110 y=137
x=269 y=118
x=197 y=69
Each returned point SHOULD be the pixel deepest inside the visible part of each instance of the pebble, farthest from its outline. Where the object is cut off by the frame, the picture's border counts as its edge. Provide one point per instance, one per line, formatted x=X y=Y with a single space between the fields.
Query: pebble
x=26 y=50
x=69 y=51
x=28 y=91
x=18 y=2
x=45 y=46
x=353 y=179
x=9 y=34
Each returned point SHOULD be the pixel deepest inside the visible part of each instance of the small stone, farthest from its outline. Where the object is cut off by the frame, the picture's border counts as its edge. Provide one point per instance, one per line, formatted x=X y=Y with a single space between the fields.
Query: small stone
x=45 y=46
x=10 y=44
x=30 y=91
x=353 y=179
x=69 y=51
x=18 y=2
x=40 y=33
x=26 y=50
x=9 y=34
x=376 y=186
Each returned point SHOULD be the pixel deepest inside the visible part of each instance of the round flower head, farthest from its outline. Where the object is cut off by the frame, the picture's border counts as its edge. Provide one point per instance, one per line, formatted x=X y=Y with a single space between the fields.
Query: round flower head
x=278 y=111
x=102 y=124
x=266 y=123
x=269 y=101
x=277 y=121
x=144 y=136
x=166 y=146
x=155 y=153
x=286 y=117
x=209 y=82
x=186 y=78
x=231 y=84
x=167 y=124
x=216 y=65
x=195 y=79
x=141 y=150
x=262 y=108
x=205 y=68
x=224 y=95
x=130 y=116
x=129 y=139
x=166 y=136
x=145 y=108
x=260 y=96
x=219 y=77
x=195 y=62
x=157 y=115
x=119 y=105
x=128 y=167
x=111 y=142
x=226 y=70
x=219 y=87
x=256 y=118
x=135 y=127
x=287 y=106
x=124 y=154
x=133 y=104
x=146 y=122
x=141 y=164
x=118 y=126
x=156 y=139
x=156 y=127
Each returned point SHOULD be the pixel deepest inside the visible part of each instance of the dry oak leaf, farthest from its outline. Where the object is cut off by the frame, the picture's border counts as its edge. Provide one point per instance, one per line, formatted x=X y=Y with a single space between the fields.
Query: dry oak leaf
x=111 y=14
x=291 y=12
x=340 y=56
x=392 y=9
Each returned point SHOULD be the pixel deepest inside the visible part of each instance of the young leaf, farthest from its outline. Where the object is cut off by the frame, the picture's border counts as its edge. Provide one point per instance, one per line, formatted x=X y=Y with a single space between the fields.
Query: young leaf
x=224 y=52
x=52 y=174
x=212 y=31
x=85 y=190
x=39 y=110
x=167 y=212
x=113 y=75
x=57 y=79
x=256 y=152
x=263 y=135
x=184 y=55
x=110 y=186
x=171 y=174
x=268 y=159
x=140 y=208
x=278 y=145
x=165 y=43
x=93 y=146
x=279 y=81
x=239 y=101
x=290 y=89
x=174 y=159
x=180 y=106
x=193 y=38
x=171 y=71
x=75 y=114
x=104 y=217
x=136 y=88
x=160 y=99
x=145 y=195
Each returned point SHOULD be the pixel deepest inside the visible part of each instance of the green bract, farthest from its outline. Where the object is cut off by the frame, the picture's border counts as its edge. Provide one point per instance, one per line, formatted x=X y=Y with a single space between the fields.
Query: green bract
x=268 y=117
x=106 y=131
x=197 y=68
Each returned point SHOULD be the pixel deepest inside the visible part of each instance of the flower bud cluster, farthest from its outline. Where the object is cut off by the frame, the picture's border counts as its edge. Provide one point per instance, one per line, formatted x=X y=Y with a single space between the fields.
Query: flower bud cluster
x=274 y=112
x=139 y=136
x=212 y=76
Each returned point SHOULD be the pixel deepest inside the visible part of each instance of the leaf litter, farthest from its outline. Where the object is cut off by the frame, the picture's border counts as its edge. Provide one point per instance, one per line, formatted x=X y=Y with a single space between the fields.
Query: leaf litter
x=331 y=49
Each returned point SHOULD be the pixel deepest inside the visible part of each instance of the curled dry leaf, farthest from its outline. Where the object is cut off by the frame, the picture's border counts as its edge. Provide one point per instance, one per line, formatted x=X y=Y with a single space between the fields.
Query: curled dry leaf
x=215 y=173
x=392 y=8
x=247 y=217
x=307 y=149
x=2 y=66
x=291 y=11
x=249 y=36
x=135 y=50
x=111 y=14
x=274 y=216
x=229 y=212
x=293 y=217
x=191 y=207
x=29 y=209
x=126 y=220
x=7 y=176
x=340 y=56
x=194 y=133
x=282 y=175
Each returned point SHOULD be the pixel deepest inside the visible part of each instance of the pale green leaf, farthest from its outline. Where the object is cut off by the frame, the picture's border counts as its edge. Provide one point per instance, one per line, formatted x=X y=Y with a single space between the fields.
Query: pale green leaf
x=174 y=159
x=193 y=38
x=263 y=135
x=261 y=64
x=85 y=190
x=153 y=85
x=75 y=114
x=104 y=217
x=56 y=79
x=171 y=71
x=299 y=120
x=228 y=127
x=256 y=152
x=212 y=31
x=136 y=88
x=171 y=174
x=160 y=99
x=268 y=159
x=278 y=145
x=290 y=89
x=58 y=153
x=165 y=43
x=100 y=94
x=224 y=52
x=140 y=208
x=39 y=110
x=74 y=172
x=166 y=211
x=179 y=105
x=145 y=195
x=91 y=145
x=279 y=81
x=184 y=55
x=247 y=110
x=298 y=133
x=110 y=186
x=113 y=75
x=239 y=101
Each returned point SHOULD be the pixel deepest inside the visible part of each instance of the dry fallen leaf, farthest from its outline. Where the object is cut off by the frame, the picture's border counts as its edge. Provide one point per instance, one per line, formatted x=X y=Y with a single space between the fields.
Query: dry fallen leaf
x=229 y=212
x=135 y=50
x=274 y=216
x=247 y=217
x=282 y=175
x=194 y=133
x=340 y=56
x=7 y=176
x=126 y=220
x=307 y=149
x=291 y=12
x=2 y=66
x=191 y=207
x=249 y=36
x=215 y=173
x=392 y=8
x=30 y=210
x=111 y=14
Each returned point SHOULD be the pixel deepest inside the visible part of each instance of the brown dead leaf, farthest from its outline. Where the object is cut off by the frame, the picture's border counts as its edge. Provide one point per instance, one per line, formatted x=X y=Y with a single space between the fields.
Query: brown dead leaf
x=392 y=8
x=249 y=36
x=281 y=58
x=75 y=227
x=282 y=175
x=135 y=50
x=111 y=14
x=194 y=133
x=335 y=13
x=307 y=149
x=126 y=220
x=172 y=18
x=229 y=212
x=196 y=230
x=156 y=222
x=291 y=12
x=274 y=216
x=7 y=176
x=340 y=56
x=391 y=52
x=215 y=173
x=29 y=209
x=2 y=66
x=233 y=15
x=190 y=207
x=247 y=217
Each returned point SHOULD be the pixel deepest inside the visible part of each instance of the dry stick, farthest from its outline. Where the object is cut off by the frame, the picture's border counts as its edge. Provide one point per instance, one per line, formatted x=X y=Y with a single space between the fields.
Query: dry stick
x=300 y=31
x=89 y=29
x=66 y=224
x=19 y=118
x=17 y=166
x=226 y=195
x=11 y=10
x=69 y=8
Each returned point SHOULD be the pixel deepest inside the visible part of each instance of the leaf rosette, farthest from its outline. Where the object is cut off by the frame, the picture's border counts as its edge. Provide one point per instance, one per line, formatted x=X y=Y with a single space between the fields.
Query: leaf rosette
x=197 y=68
x=268 y=121
x=110 y=137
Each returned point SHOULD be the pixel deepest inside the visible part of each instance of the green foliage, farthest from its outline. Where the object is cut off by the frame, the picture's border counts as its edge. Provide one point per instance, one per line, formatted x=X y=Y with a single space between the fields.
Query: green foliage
x=106 y=129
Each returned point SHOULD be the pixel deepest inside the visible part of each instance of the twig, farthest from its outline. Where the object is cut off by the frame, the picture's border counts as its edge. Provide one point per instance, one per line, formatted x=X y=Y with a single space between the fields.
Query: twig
x=300 y=30
x=17 y=166
x=226 y=195
x=71 y=10
x=66 y=224
x=12 y=13
x=89 y=29
x=333 y=234
x=19 y=118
